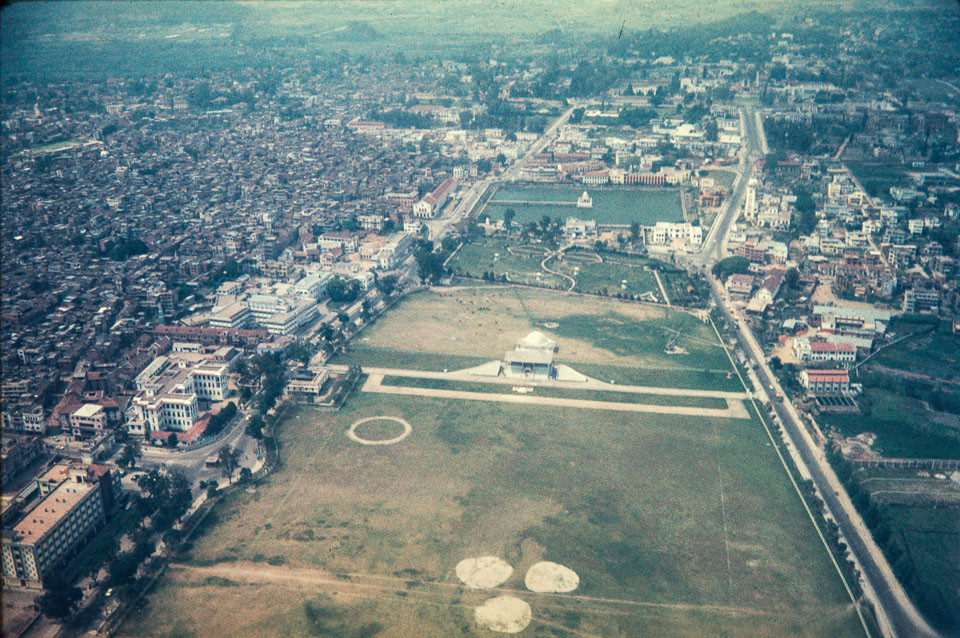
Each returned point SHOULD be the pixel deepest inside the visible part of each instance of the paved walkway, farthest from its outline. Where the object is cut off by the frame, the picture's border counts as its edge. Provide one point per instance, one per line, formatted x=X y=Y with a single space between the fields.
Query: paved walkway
x=589 y=384
x=663 y=291
x=546 y=268
x=734 y=410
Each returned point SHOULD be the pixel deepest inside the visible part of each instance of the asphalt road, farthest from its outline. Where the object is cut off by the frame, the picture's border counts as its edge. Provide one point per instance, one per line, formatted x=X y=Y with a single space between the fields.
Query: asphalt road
x=896 y=613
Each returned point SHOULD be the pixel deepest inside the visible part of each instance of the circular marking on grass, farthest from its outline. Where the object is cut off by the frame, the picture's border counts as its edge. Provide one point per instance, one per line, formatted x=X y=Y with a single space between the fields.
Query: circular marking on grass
x=547 y=577
x=483 y=572
x=355 y=437
x=505 y=614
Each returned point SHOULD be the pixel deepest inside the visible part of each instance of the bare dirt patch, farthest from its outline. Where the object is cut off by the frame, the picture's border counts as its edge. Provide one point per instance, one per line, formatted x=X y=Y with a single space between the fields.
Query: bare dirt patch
x=547 y=577
x=352 y=432
x=483 y=572
x=504 y=614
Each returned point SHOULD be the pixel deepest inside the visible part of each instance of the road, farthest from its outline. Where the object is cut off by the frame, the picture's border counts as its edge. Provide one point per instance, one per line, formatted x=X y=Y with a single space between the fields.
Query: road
x=714 y=246
x=440 y=227
x=191 y=461
x=896 y=614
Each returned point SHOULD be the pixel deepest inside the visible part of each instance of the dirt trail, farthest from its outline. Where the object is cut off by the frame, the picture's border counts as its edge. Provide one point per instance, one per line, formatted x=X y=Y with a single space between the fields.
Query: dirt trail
x=311 y=578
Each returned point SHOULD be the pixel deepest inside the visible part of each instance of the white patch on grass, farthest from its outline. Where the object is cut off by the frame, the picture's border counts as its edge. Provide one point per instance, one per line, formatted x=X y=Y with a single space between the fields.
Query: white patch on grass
x=504 y=614
x=547 y=577
x=483 y=572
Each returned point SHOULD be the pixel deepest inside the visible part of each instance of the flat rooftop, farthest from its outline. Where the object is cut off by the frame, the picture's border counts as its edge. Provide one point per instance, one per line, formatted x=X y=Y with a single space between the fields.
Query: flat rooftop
x=50 y=511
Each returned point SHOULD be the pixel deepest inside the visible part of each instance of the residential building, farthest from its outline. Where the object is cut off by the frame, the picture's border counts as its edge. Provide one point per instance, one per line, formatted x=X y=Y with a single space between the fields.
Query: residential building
x=918 y=300
x=76 y=500
x=825 y=381
x=819 y=351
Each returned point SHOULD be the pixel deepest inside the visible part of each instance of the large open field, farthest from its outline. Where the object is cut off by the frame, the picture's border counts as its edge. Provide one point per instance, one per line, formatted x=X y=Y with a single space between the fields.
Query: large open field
x=611 y=205
x=606 y=339
x=676 y=525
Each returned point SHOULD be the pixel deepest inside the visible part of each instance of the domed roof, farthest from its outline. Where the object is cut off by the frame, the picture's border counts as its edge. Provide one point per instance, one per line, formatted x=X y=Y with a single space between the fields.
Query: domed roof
x=536 y=339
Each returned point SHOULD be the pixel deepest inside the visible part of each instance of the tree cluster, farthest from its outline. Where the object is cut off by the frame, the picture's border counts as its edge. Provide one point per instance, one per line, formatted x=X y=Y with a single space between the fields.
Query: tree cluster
x=731 y=266
x=221 y=419
x=342 y=290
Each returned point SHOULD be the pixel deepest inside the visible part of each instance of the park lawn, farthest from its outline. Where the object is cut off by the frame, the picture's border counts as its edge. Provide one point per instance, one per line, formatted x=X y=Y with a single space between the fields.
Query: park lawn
x=566 y=393
x=611 y=205
x=902 y=425
x=608 y=277
x=723 y=179
x=521 y=264
x=877 y=177
x=664 y=377
x=656 y=509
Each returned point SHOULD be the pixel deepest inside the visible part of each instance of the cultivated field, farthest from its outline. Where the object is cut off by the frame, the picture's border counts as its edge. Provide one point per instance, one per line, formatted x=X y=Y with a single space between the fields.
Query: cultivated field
x=611 y=205
x=676 y=525
x=919 y=514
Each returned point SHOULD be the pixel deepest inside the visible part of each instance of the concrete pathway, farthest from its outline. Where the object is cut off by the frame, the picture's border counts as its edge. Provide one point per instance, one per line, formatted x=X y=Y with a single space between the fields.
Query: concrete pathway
x=546 y=268
x=590 y=384
x=734 y=410
x=663 y=291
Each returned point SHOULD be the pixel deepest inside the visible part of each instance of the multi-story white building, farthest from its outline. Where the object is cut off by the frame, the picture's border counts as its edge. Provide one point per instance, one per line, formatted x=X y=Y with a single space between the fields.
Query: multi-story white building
x=666 y=232
x=170 y=392
x=89 y=419
x=371 y=222
x=65 y=520
x=918 y=300
x=817 y=351
x=234 y=315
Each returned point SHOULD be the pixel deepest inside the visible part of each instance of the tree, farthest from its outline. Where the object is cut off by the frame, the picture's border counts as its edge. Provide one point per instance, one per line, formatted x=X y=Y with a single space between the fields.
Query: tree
x=129 y=455
x=229 y=460
x=712 y=131
x=59 y=599
x=255 y=426
x=387 y=284
x=634 y=230
x=448 y=245
x=508 y=216
x=245 y=474
x=792 y=277
x=172 y=439
x=341 y=290
x=730 y=266
x=429 y=264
